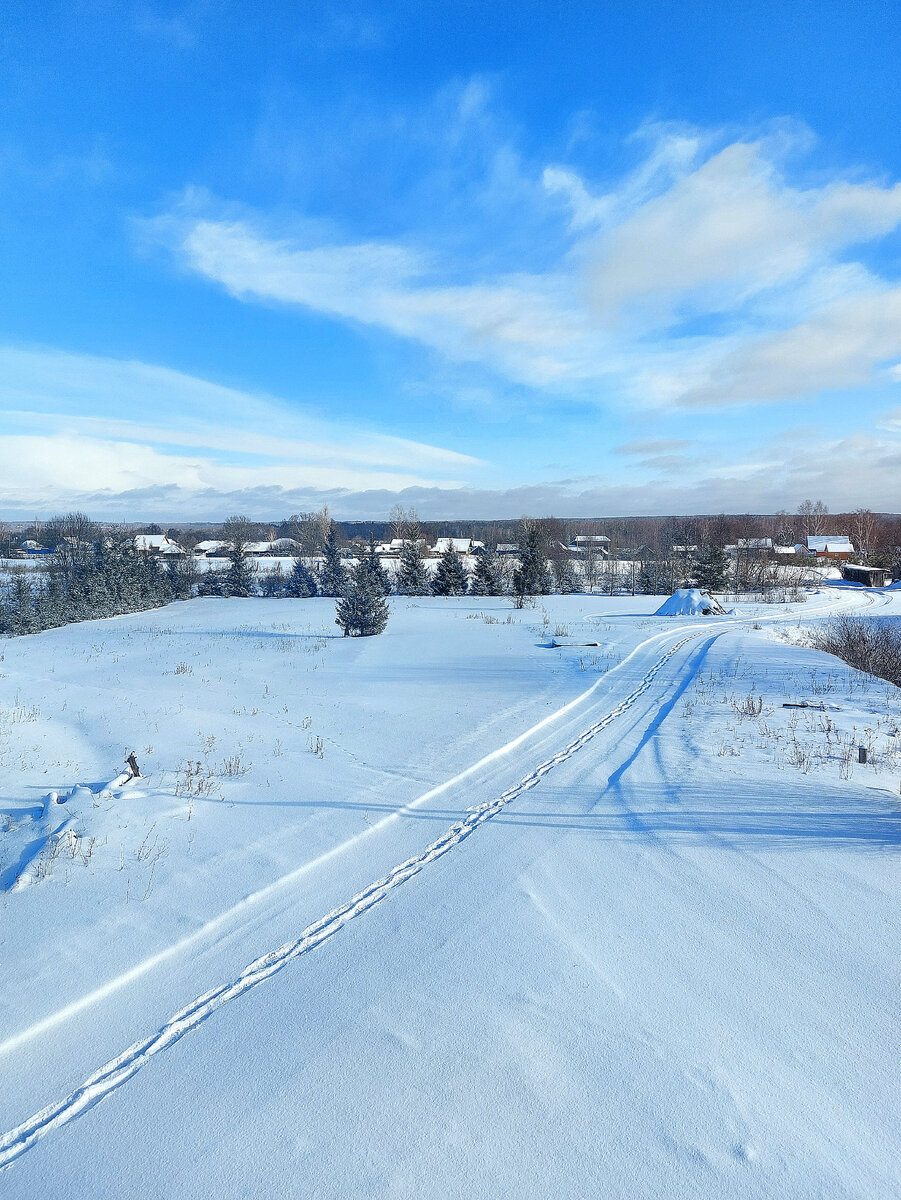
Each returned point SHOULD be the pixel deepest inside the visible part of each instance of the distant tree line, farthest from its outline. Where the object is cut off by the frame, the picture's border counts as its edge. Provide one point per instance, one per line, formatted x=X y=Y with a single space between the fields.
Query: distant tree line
x=94 y=572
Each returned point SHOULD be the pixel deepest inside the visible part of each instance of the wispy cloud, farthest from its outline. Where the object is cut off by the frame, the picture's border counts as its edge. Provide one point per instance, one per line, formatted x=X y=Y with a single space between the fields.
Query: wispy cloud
x=643 y=446
x=704 y=276
x=178 y=30
x=72 y=421
x=830 y=470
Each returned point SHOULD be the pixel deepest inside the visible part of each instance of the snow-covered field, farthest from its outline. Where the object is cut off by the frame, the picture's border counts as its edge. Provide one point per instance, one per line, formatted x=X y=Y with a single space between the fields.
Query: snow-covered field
x=449 y=912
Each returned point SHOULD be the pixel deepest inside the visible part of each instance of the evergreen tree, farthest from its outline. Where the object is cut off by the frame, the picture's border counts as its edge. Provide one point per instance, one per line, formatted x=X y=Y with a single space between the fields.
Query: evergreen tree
x=212 y=583
x=333 y=580
x=239 y=576
x=181 y=577
x=450 y=578
x=7 y=616
x=300 y=584
x=709 y=569
x=377 y=573
x=151 y=582
x=363 y=610
x=646 y=579
x=531 y=577
x=273 y=585
x=486 y=578
x=84 y=581
x=565 y=576
x=21 y=615
x=50 y=602
x=412 y=576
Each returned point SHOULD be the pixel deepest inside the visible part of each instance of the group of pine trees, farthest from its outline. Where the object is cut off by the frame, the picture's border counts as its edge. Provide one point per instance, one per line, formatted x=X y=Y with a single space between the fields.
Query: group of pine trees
x=85 y=582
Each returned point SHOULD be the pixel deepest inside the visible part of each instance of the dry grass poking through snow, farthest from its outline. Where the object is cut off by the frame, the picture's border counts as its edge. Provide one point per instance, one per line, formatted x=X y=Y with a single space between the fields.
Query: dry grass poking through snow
x=865 y=643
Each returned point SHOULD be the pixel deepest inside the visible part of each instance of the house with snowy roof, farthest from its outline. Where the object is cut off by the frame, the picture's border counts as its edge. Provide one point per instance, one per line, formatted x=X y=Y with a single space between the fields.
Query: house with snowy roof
x=156 y=544
x=751 y=547
x=590 y=543
x=830 y=546
x=458 y=545
x=394 y=548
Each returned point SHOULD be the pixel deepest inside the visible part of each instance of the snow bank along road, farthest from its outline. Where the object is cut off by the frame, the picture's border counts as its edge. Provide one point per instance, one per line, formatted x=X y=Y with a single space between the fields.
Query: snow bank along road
x=636 y=695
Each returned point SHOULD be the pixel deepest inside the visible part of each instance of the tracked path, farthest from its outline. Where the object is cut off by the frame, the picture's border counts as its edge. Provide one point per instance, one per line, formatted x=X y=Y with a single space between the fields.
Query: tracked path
x=119 y=1070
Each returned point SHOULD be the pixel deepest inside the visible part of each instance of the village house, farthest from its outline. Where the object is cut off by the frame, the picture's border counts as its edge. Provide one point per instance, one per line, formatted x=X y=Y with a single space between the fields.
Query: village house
x=210 y=549
x=831 y=546
x=394 y=548
x=458 y=545
x=590 y=543
x=29 y=548
x=156 y=544
x=284 y=547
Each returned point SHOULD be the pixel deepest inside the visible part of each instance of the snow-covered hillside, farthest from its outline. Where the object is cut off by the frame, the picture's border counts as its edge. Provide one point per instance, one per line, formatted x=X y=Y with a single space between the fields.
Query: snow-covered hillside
x=451 y=911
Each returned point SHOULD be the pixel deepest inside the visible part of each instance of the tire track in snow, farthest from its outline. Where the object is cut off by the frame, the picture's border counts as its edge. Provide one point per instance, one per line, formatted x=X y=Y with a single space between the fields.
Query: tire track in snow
x=119 y=1070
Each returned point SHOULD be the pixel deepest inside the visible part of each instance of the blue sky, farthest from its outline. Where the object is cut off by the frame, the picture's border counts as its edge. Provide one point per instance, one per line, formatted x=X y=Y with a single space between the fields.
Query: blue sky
x=485 y=260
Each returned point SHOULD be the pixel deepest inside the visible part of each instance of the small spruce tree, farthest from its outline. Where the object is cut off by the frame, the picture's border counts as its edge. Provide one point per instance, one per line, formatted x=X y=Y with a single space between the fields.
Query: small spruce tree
x=412 y=576
x=531 y=577
x=333 y=580
x=239 y=575
x=212 y=583
x=377 y=573
x=450 y=578
x=565 y=577
x=363 y=610
x=273 y=583
x=300 y=584
x=486 y=578
x=709 y=569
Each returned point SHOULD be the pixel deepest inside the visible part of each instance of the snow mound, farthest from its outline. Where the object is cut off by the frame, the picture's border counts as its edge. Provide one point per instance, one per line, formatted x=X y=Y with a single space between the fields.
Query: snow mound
x=688 y=602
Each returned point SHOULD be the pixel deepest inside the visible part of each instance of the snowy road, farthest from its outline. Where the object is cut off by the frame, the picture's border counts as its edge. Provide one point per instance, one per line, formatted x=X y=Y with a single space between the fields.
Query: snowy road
x=565 y=937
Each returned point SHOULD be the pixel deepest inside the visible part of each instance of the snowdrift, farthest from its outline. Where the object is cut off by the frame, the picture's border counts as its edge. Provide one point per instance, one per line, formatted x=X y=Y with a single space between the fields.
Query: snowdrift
x=689 y=602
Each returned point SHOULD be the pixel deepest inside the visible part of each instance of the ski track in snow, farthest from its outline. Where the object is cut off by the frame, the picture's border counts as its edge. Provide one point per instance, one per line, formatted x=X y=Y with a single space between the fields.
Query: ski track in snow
x=119 y=1070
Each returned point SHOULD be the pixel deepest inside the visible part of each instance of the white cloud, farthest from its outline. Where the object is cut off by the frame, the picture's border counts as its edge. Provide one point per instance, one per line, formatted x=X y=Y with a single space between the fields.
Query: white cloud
x=846 y=473
x=729 y=230
x=67 y=463
x=75 y=424
x=525 y=326
x=652 y=446
x=699 y=231
x=840 y=346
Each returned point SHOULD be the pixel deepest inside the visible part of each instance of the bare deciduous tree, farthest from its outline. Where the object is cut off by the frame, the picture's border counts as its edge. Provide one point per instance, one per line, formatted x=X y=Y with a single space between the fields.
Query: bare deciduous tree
x=813 y=514
x=864 y=530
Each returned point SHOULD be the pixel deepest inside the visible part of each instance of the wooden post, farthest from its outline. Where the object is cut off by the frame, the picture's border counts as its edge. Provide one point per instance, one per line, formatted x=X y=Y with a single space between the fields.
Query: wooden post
x=132 y=764
x=861 y=754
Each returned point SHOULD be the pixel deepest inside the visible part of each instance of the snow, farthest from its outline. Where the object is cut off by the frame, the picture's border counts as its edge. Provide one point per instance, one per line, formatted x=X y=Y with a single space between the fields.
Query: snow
x=565 y=921
x=833 y=544
x=158 y=542
x=688 y=602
